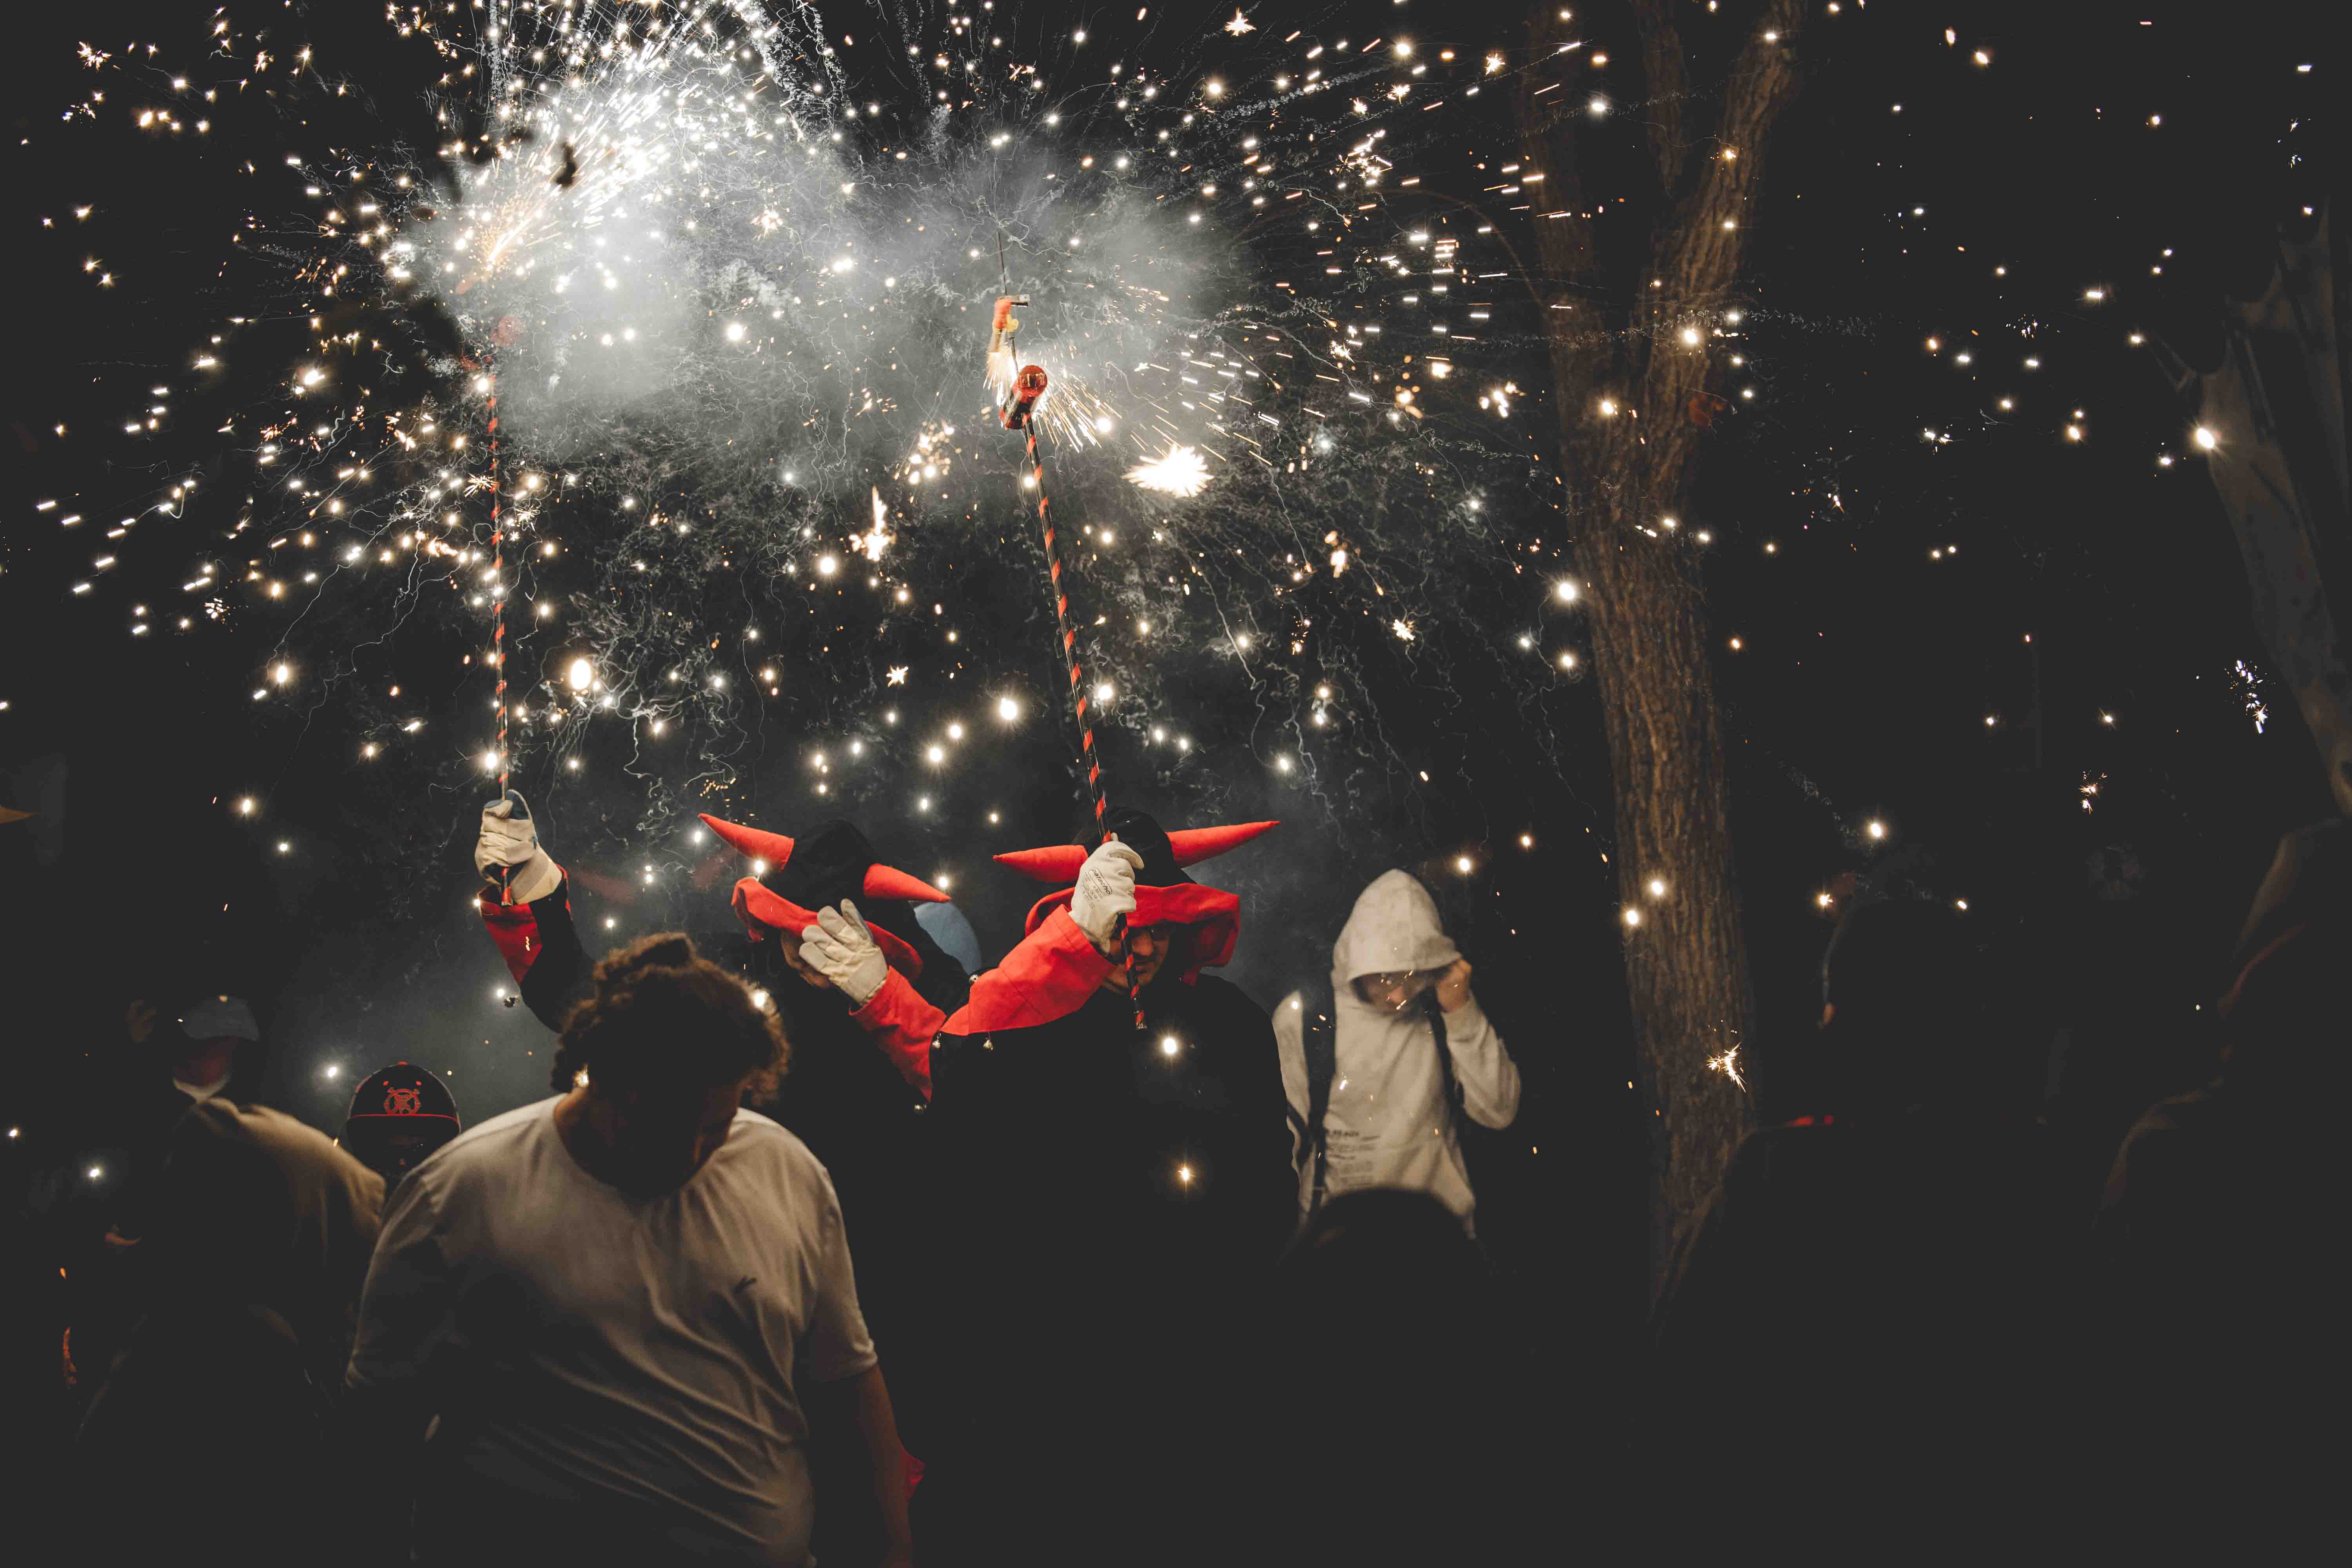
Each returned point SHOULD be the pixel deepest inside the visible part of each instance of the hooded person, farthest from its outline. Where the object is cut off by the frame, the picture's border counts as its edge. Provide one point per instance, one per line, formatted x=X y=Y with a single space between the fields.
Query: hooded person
x=398 y=1118
x=860 y=988
x=2218 y=1250
x=1110 y=1186
x=1395 y=1050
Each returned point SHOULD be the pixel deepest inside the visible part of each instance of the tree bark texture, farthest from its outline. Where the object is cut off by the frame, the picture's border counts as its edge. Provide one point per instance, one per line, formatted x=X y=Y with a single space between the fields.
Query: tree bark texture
x=1635 y=399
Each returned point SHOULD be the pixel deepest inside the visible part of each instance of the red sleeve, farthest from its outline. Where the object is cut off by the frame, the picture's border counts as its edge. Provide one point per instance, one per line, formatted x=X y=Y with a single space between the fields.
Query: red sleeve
x=516 y=931
x=1048 y=976
x=903 y=1026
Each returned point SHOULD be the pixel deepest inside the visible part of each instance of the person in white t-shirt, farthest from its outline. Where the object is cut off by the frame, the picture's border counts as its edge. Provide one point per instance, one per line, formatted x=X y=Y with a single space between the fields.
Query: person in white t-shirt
x=631 y=1309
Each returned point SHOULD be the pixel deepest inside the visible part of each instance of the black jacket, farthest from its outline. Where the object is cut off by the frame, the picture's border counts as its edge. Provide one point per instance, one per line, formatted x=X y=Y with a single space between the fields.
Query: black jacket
x=1109 y=1201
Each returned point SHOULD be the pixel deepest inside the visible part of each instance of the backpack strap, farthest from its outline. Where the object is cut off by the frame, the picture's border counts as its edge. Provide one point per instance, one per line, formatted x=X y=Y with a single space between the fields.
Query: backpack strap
x=1437 y=1016
x=1318 y=1040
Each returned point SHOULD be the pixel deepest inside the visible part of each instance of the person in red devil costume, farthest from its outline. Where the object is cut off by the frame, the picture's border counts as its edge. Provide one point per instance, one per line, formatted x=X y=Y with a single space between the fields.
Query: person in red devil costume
x=861 y=988
x=1109 y=1196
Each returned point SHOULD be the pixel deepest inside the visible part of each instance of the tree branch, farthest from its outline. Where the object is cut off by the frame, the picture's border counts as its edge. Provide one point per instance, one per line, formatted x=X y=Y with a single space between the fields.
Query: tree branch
x=1666 y=81
x=1698 y=252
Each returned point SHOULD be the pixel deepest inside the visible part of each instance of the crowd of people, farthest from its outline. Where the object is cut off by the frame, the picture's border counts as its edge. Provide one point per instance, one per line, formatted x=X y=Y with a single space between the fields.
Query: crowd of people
x=841 y=1254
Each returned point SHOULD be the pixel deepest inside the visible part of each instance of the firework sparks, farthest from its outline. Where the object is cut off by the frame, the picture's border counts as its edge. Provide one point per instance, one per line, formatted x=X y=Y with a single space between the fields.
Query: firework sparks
x=2248 y=685
x=1179 y=471
x=716 y=289
x=877 y=539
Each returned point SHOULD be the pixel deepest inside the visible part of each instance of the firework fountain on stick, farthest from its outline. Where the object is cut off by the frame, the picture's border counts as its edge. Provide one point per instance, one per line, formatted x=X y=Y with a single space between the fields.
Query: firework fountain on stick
x=1019 y=413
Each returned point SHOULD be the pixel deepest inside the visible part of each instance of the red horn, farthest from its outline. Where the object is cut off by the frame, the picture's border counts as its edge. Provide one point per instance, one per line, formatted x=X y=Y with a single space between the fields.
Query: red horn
x=1194 y=844
x=889 y=882
x=1057 y=864
x=756 y=842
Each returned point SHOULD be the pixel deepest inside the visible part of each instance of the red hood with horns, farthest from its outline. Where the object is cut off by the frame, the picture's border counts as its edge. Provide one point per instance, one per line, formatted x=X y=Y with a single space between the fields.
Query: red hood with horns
x=1163 y=894
x=765 y=912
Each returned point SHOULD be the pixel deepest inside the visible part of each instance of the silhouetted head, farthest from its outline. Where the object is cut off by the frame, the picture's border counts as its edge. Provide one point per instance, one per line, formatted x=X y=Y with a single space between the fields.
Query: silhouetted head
x=1175 y=917
x=1903 y=1015
x=833 y=862
x=1380 y=1261
x=664 y=1050
x=202 y=1045
x=398 y=1118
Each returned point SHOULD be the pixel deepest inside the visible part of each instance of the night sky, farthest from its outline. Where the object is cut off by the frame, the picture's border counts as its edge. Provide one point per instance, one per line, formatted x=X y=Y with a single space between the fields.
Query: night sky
x=1960 y=597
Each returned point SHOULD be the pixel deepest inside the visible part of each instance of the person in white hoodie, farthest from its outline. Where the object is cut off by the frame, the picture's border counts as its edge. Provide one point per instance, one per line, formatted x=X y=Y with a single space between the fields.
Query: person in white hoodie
x=1377 y=1068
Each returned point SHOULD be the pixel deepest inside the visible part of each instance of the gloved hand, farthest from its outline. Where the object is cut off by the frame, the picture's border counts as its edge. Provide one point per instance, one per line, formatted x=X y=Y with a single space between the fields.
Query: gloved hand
x=514 y=844
x=1106 y=891
x=839 y=947
x=1453 y=986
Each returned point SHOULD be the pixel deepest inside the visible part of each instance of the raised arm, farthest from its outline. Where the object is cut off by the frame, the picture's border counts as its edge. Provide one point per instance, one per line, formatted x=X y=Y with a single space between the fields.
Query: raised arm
x=1481 y=1064
x=1049 y=976
x=902 y=1025
x=897 y=1016
x=530 y=917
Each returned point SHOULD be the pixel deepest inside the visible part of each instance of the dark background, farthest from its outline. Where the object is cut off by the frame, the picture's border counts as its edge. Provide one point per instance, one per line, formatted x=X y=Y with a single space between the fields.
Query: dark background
x=1865 y=672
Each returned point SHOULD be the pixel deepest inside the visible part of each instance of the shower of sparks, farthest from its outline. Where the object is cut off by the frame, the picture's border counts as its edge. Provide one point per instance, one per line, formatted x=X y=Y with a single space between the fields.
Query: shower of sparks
x=1728 y=1064
x=876 y=539
x=725 y=267
x=2249 y=688
x=1179 y=471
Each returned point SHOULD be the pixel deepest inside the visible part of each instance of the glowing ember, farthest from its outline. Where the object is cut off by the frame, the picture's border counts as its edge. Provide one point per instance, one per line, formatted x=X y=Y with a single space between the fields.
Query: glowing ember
x=1179 y=472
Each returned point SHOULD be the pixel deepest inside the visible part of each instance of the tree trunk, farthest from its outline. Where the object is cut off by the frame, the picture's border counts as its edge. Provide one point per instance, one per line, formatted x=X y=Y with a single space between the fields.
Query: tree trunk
x=1634 y=395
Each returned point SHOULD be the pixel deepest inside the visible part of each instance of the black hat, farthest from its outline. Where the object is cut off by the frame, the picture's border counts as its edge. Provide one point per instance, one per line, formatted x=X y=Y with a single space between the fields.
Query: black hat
x=822 y=867
x=398 y=1118
x=1164 y=895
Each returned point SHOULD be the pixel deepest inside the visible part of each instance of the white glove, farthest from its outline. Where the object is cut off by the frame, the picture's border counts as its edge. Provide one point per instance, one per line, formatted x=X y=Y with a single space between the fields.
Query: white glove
x=839 y=947
x=1106 y=891
x=531 y=874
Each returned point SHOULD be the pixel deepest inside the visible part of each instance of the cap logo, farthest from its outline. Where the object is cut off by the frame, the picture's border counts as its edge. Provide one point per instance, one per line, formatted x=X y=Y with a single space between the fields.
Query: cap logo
x=400 y=1102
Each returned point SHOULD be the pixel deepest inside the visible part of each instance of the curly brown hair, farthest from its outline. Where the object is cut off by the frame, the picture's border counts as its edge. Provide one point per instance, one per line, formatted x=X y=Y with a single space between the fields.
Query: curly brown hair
x=664 y=1018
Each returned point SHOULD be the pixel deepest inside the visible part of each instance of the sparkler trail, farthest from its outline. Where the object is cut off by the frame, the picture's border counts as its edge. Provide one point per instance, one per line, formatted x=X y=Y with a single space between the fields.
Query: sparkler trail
x=723 y=297
x=734 y=477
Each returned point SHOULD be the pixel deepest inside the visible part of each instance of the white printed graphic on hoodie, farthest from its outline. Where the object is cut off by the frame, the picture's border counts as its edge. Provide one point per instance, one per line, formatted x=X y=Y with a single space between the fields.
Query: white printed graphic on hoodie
x=1388 y=1124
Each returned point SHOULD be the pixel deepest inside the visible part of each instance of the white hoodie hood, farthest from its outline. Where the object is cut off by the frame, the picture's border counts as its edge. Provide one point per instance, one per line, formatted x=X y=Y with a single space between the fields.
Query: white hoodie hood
x=1389 y=1123
x=1393 y=928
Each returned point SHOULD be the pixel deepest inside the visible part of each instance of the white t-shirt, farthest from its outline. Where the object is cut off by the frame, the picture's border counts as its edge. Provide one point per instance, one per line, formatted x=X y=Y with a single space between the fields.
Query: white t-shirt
x=589 y=1345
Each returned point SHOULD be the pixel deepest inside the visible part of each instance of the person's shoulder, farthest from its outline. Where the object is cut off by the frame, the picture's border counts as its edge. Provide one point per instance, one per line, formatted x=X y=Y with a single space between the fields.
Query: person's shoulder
x=486 y=1142
x=760 y=1137
x=2170 y=1130
x=288 y=1141
x=1290 y=1018
x=281 y=1135
x=2183 y=1113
